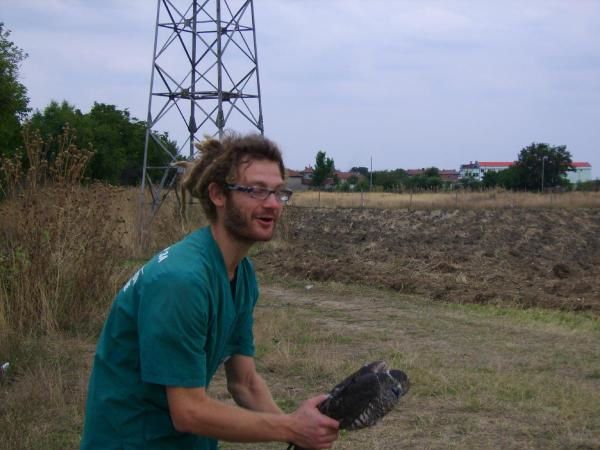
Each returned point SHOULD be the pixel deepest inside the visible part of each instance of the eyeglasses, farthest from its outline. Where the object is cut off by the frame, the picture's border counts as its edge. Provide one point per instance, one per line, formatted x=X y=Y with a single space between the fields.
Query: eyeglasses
x=261 y=193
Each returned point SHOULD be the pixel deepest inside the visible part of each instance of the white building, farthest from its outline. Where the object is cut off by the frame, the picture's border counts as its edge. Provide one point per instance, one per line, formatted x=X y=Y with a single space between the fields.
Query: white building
x=476 y=170
x=583 y=172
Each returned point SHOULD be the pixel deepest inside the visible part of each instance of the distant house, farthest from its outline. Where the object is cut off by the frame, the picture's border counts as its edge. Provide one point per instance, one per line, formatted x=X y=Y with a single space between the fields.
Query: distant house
x=476 y=170
x=449 y=175
x=583 y=172
x=445 y=174
x=346 y=176
x=294 y=180
x=302 y=179
x=307 y=175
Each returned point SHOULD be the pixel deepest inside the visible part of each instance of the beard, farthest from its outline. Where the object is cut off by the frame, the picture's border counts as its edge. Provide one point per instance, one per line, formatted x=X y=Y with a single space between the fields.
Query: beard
x=240 y=227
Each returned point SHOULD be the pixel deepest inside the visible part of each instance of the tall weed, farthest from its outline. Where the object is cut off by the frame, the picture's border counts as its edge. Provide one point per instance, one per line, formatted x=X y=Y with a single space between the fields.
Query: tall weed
x=58 y=245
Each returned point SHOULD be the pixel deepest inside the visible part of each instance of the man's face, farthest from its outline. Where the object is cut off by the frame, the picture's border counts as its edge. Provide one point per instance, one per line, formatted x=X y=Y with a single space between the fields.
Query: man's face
x=250 y=219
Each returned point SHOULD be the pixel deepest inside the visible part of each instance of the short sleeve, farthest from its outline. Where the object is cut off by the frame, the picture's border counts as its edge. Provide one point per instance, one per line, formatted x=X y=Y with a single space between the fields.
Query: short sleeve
x=172 y=324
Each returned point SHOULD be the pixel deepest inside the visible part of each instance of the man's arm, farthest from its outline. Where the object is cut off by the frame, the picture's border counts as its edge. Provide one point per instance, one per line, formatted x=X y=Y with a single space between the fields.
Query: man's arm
x=247 y=387
x=193 y=411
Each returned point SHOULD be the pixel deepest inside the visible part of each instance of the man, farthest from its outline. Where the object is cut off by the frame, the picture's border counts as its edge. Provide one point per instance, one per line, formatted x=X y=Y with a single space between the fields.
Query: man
x=188 y=310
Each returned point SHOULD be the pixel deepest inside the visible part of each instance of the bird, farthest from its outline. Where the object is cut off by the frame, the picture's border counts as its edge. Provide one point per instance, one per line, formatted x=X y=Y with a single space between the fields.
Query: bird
x=364 y=397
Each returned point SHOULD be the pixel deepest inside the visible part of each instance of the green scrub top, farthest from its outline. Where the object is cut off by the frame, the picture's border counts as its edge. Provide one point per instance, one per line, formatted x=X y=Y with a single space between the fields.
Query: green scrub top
x=172 y=324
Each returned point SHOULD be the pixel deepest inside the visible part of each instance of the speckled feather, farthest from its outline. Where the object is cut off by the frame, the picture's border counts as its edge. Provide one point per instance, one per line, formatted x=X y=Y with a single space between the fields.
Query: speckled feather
x=364 y=397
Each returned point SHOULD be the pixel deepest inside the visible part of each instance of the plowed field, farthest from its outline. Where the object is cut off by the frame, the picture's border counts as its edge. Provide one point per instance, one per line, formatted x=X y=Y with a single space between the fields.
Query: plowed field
x=520 y=257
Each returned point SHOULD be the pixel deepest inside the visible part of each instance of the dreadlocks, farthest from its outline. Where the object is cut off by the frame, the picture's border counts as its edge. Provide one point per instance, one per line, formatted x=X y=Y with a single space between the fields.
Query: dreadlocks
x=219 y=163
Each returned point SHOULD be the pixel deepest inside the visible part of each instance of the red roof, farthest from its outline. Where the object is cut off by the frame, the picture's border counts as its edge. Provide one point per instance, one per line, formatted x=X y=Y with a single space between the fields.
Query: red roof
x=293 y=173
x=581 y=164
x=345 y=175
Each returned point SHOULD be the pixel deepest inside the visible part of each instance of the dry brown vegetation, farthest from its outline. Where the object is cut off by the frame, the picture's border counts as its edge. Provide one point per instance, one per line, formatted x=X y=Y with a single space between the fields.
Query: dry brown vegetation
x=459 y=199
x=340 y=287
x=60 y=241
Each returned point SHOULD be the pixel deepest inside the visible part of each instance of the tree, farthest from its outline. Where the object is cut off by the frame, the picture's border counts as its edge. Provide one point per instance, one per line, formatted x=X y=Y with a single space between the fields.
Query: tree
x=432 y=172
x=390 y=179
x=490 y=179
x=51 y=121
x=13 y=95
x=511 y=178
x=116 y=138
x=324 y=168
x=541 y=165
x=364 y=171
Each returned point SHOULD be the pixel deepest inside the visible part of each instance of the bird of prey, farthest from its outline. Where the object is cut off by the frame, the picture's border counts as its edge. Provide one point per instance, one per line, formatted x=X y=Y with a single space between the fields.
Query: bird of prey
x=364 y=397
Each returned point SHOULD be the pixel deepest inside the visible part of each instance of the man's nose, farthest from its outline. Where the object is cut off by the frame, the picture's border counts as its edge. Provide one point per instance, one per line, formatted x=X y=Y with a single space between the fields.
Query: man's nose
x=272 y=201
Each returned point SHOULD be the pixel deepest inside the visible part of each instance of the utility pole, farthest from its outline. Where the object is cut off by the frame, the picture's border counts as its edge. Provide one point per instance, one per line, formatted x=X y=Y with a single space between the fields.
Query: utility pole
x=544 y=158
x=204 y=80
x=371 y=176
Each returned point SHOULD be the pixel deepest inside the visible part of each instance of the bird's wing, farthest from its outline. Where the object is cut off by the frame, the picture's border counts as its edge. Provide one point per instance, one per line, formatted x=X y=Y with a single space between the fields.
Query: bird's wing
x=374 y=367
x=356 y=399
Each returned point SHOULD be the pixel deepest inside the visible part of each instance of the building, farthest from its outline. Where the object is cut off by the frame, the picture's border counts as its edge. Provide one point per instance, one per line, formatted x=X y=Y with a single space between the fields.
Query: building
x=476 y=170
x=294 y=180
x=298 y=180
x=307 y=175
x=450 y=175
x=583 y=172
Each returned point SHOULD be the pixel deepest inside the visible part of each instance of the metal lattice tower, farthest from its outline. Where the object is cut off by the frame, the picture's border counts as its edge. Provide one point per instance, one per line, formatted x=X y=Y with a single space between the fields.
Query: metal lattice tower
x=204 y=80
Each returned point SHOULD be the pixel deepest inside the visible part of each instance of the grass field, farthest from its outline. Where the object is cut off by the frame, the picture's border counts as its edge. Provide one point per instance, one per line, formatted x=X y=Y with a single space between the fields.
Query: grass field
x=482 y=377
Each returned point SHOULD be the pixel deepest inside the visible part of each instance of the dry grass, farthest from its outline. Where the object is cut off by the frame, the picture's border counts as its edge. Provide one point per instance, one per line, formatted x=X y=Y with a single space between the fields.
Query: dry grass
x=447 y=200
x=44 y=396
x=483 y=377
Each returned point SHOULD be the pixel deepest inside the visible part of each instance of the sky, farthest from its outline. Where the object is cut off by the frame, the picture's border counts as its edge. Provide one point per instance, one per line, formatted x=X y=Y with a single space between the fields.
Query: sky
x=393 y=83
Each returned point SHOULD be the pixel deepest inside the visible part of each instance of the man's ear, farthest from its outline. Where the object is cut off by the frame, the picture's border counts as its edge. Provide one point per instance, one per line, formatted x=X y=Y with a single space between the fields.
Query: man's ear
x=216 y=195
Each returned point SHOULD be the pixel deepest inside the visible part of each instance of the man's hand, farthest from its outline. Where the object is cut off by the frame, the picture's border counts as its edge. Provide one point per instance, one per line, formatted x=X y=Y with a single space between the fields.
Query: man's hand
x=313 y=429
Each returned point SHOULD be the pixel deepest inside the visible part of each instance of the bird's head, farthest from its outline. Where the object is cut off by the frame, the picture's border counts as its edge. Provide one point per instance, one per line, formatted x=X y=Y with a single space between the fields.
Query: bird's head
x=402 y=383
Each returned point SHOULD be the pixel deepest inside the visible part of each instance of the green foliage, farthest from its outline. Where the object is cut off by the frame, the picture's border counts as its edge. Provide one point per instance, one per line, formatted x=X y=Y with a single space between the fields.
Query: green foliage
x=588 y=186
x=423 y=182
x=13 y=95
x=362 y=185
x=324 y=168
x=490 y=179
x=432 y=172
x=343 y=187
x=541 y=165
x=428 y=180
x=352 y=180
x=364 y=171
x=390 y=179
x=117 y=139
x=470 y=183
x=393 y=180
x=511 y=178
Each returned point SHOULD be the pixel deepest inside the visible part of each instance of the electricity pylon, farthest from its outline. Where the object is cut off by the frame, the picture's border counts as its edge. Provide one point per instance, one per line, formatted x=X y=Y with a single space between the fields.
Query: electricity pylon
x=204 y=80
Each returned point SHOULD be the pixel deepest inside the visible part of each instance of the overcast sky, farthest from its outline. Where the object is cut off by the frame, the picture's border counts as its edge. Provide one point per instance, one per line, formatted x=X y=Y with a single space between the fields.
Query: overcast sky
x=409 y=84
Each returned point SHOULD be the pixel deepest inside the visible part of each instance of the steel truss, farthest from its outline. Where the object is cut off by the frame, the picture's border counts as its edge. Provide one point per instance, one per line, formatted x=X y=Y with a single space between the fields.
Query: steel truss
x=204 y=80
